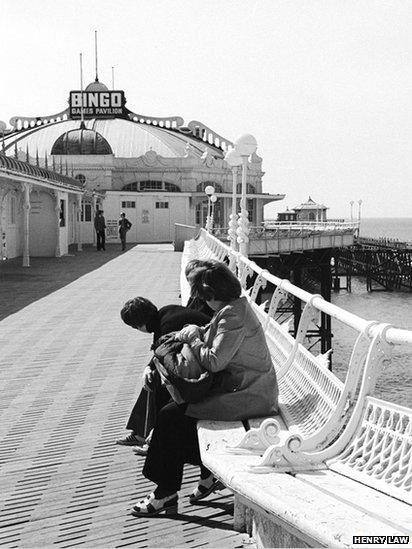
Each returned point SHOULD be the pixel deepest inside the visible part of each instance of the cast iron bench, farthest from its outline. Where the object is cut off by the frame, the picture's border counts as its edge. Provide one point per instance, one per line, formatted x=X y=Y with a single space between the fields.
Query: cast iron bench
x=327 y=434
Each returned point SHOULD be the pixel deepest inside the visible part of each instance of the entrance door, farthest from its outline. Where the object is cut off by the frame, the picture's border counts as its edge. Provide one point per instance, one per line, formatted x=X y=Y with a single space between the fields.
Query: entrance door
x=162 y=220
x=43 y=225
x=86 y=225
x=10 y=246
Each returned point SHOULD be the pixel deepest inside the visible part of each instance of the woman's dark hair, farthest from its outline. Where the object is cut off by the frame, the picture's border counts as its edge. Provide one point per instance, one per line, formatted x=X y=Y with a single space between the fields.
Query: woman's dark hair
x=215 y=282
x=196 y=264
x=139 y=311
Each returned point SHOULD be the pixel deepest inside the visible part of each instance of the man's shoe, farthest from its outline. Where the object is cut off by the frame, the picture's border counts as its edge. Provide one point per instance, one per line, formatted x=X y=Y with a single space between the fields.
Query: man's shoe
x=131 y=440
x=141 y=450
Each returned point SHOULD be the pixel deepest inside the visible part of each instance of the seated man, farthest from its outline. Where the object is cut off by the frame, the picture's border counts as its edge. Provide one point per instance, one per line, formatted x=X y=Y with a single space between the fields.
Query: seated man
x=141 y=314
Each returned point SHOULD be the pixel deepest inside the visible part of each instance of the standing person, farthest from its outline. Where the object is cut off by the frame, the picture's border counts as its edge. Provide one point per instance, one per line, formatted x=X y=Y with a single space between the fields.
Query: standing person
x=124 y=226
x=233 y=346
x=100 y=227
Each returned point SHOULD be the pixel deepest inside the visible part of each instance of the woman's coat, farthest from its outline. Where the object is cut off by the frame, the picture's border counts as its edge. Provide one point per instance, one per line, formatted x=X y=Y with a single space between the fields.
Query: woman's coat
x=234 y=347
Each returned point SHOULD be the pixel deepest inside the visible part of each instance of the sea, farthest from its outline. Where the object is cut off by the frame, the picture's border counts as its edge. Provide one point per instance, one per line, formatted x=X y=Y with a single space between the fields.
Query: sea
x=394 y=384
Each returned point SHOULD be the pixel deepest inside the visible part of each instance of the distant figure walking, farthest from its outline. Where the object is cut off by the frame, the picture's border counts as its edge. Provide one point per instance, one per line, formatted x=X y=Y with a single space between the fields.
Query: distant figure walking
x=124 y=226
x=100 y=226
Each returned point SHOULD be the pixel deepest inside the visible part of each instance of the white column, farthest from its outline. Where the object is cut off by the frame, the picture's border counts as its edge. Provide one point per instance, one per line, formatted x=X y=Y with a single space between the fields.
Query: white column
x=57 y=212
x=233 y=215
x=245 y=145
x=26 y=224
x=94 y=203
x=78 y=222
x=243 y=221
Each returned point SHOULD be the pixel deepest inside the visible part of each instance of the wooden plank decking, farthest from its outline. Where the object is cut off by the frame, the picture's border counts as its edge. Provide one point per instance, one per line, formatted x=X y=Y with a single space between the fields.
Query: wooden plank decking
x=69 y=373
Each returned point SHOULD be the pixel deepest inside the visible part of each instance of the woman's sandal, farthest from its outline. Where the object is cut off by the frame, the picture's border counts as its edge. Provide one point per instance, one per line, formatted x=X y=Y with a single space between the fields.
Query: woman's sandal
x=204 y=488
x=150 y=506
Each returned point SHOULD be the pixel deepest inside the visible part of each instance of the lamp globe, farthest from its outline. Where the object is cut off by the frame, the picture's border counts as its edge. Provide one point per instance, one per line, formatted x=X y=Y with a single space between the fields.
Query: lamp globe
x=213 y=198
x=245 y=145
x=209 y=190
x=233 y=158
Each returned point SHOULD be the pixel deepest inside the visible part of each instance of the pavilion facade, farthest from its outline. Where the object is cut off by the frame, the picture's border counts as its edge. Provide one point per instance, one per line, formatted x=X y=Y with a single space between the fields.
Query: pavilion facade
x=153 y=169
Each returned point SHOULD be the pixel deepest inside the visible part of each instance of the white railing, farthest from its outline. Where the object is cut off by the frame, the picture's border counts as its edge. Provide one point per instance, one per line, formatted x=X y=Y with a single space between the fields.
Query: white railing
x=297 y=237
x=332 y=225
x=291 y=229
x=364 y=438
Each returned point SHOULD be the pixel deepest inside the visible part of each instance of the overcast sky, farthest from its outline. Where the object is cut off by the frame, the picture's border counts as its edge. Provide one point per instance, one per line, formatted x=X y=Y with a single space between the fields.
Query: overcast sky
x=324 y=86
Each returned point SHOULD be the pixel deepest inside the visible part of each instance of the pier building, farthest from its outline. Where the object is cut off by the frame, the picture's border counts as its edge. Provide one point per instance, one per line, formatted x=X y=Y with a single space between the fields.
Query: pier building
x=307 y=211
x=40 y=210
x=310 y=211
x=155 y=169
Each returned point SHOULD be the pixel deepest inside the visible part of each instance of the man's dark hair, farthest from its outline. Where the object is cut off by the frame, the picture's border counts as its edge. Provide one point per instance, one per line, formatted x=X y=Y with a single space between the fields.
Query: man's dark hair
x=139 y=311
x=215 y=282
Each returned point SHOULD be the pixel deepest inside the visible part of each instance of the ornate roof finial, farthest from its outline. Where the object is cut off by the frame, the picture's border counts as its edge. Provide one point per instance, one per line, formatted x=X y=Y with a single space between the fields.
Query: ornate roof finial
x=81 y=89
x=27 y=153
x=46 y=163
x=16 y=155
x=53 y=163
x=61 y=166
x=67 y=168
x=95 y=52
x=37 y=158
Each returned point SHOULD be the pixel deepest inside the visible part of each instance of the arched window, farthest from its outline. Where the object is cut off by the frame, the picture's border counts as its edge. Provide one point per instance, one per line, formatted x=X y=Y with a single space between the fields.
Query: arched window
x=81 y=178
x=152 y=186
x=202 y=186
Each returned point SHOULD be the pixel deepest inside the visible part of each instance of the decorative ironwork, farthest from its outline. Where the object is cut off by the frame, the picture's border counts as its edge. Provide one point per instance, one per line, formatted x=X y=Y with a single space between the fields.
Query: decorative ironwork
x=324 y=422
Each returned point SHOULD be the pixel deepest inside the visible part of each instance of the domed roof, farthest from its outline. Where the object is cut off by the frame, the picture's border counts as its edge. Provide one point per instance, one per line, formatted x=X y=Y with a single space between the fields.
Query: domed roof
x=96 y=86
x=81 y=141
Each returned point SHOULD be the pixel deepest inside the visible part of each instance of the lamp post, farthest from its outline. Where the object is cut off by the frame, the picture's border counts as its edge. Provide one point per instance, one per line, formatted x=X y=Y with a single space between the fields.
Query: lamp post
x=213 y=200
x=359 y=214
x=234 y=161
x=245 y=145
x=209 y=190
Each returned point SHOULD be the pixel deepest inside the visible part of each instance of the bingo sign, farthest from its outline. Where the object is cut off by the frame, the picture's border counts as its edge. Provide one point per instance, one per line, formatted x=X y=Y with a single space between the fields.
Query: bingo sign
x=97 y=104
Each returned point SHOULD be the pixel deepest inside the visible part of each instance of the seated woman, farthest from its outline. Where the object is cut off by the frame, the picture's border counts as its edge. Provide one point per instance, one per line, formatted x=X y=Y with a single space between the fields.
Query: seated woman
x=233 y=346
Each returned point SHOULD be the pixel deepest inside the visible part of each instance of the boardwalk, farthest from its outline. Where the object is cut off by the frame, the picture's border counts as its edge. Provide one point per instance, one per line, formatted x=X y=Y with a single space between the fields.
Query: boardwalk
x=69 y=373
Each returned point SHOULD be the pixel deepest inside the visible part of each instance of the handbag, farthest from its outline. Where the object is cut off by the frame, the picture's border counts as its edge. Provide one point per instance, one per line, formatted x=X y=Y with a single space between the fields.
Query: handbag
x=185 y=380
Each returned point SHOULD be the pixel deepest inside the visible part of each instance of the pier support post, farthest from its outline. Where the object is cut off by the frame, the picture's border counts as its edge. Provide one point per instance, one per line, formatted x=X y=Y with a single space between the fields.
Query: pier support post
x=326 y=293
x=297 y=304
